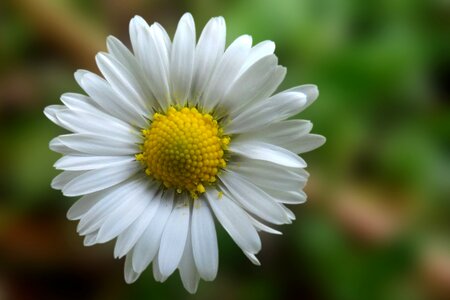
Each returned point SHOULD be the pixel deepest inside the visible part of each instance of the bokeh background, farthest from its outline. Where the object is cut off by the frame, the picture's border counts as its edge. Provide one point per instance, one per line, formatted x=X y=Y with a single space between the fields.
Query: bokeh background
x=377 y=223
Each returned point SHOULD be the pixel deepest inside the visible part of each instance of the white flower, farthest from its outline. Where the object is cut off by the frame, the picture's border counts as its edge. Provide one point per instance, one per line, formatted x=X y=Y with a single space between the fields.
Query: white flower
x=176 y=133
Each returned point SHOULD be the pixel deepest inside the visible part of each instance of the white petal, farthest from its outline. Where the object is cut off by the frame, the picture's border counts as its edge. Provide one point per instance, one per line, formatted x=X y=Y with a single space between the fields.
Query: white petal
x=173 y=239
x=251 y=85
x=182 y=59
x=101 y=93
x=111 y=199
x=210 y=47
x=253 y=198
x=82 y=163
x=306 y=143
x=129 y=274
x=285 y=196
x=267 y=152
x=121 y=52
x=165 y=36
x=79 y=74
x=263 y=227
x=84 y=204
x=274 y=109
x=270 y=85
x=226 y=72
x=188 y=271
x=146 y=248
x=89 y=239
x=78 y=102
x=288 y=212
x=235 y=221
x=266 y=174
x=252 y=258
x=128 y=238
x=51 y=110
x=124 y=83
x=98 y=145
x=128 y=60
x=204 y=240
x=63 y=178
x=150 y=48
x=310 y=90
x=101 y=124
x=118 y=221
x=156 y=272
x=280 y=133
x=257 y=52
x=96 y=180
x=57 y=146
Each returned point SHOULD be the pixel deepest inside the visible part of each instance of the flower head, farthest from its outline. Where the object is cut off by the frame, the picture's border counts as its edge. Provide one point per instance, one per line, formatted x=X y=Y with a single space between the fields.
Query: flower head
x=178 y=132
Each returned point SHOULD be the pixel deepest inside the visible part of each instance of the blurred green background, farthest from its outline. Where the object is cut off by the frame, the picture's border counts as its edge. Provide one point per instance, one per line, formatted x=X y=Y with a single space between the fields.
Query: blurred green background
x=377 y=223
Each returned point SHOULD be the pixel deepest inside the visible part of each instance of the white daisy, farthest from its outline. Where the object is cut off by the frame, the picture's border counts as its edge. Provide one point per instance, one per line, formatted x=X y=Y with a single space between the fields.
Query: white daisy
x=178 y=132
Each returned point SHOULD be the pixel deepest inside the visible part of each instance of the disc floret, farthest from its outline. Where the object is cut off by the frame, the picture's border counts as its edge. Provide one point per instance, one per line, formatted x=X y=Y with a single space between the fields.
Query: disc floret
x=184 y=149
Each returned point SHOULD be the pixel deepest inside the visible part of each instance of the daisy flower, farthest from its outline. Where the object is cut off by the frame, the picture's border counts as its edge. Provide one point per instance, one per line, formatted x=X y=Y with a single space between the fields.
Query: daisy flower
x=175 y=135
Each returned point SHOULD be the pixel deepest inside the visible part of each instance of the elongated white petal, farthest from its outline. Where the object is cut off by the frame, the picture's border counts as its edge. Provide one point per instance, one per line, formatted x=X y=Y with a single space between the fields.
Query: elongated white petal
x=156 y=271
x=204 y=240
x=257 y=52
x=84 y=204
x=310 y=90
x=150 y=48
x=265 y=174
x=129 y=274
x=85 y=122
x=78 y=102
x=253 y=198
x=50 y=112
x=118 y=221
x=147 y=246
x=111 y=199
x=98 y=145
x=268 y=152
x=127 y=239
x=96 y=180
x=82 y=163
x=63 y=178
x=287 y=103
x=89 y=239
x=182 y=59
x=127 y=59
x=57 y=146
x=306 y=143
x=281 y=133
x=274 y=109
x=286 y=196
x=271 y=83
x=101 y=93
x=173 y=239
x=124 y=83
x=121 y=53
x=235 y=221
x=226 y=71
x=263 y=227
x=288 y=212
x=164 y=36
x=210 y=47
x=250 y=85
x=188 y=271
x=252 y=258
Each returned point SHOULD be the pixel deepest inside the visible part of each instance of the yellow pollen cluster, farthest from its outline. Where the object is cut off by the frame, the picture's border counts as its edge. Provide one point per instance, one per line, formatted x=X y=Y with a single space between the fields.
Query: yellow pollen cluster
x=184 y=149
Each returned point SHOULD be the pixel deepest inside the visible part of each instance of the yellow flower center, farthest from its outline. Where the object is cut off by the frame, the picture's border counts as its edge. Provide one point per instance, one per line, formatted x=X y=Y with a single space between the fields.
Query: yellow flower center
x=184 y=149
